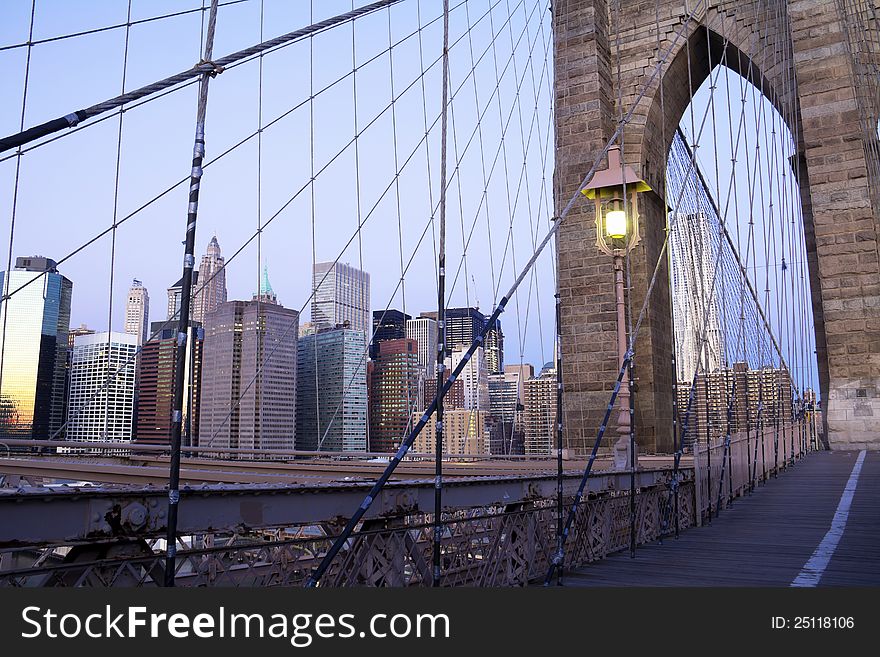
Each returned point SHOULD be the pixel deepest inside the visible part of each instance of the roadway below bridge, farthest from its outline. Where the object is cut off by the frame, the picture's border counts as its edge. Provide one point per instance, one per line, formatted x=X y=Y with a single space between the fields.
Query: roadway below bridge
x=815 y=524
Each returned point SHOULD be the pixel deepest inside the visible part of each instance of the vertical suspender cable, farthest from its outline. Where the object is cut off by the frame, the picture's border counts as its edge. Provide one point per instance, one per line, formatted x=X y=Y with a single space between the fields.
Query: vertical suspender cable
x=262 y=326
x=5 y=290
x=110 y=373
x=441 y=307
x=560 y=546
x=185 y=297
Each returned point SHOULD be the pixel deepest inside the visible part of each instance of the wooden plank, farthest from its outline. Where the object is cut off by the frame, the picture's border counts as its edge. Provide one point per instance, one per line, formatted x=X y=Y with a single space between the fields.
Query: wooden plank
x=764 y=539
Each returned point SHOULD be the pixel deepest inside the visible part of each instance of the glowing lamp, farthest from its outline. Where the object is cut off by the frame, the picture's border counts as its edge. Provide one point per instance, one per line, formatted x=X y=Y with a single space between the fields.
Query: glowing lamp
x=616 y=233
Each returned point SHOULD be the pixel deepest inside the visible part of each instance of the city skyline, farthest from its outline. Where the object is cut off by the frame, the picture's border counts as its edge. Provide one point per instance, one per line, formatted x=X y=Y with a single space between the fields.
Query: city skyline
x=503 y=431
x=137 y=307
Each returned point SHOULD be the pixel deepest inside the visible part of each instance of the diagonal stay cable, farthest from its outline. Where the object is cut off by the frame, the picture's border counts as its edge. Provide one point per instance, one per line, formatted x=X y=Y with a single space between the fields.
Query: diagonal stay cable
x=209 y=67
x=193 y=81
x=116 y=26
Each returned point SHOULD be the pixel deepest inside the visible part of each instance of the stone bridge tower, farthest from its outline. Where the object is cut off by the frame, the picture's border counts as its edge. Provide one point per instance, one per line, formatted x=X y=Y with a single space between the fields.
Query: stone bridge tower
x=833 y=51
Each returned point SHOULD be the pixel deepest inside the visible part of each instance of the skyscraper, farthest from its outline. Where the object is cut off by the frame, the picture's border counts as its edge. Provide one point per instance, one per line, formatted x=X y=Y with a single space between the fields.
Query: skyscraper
x=174 y=297
x=693 y=252
x=394 y=387
x=155 y=385
x=331 y=391
x=506 y=392
x=212 y=275
x=137 y=311
x=341 y=294
x=72 y=334
x=539 y=400
x=34 y=324
x=464 y=432
x=249 y=375
x=387 y=325
x=424 y=331
x=495 y=348
x=102 y=387
x=475 y=377
x=463 y=325
x=506 y=409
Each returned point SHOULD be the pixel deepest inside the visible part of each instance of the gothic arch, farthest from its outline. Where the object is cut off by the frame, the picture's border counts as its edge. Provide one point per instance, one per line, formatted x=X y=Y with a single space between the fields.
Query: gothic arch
x=841 y=206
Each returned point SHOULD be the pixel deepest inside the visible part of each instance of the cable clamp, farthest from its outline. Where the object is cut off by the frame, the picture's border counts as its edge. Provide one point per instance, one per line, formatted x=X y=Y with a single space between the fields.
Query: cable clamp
x=216 y=67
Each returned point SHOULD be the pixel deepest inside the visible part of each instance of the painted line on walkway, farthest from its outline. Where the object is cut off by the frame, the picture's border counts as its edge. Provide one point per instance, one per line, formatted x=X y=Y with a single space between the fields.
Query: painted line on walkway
x=815 y=567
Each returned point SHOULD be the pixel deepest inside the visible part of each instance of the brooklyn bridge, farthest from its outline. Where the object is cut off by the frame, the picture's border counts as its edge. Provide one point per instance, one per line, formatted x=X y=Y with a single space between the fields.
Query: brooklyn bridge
x=671 y=206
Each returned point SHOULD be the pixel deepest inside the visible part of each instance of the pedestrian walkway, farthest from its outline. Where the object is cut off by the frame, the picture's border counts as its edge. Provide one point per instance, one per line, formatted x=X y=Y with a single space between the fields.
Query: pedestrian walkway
x=817 y=523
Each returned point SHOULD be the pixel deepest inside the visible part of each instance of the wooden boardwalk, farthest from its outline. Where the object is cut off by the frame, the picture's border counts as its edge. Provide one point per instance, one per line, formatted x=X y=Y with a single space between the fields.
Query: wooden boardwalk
x=767 y=538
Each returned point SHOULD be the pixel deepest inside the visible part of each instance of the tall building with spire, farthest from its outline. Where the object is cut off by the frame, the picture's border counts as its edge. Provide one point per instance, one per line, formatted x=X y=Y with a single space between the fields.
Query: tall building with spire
x=249 y=373
x=212 y=276
x=265 y=294
x=137 y=311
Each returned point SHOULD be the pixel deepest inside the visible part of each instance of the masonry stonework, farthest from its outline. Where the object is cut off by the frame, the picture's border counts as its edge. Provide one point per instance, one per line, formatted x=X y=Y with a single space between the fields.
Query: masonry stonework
x=765 y=42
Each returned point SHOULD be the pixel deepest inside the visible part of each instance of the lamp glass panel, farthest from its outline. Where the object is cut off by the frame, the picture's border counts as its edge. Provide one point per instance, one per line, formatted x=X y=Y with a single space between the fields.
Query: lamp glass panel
x=615 y=224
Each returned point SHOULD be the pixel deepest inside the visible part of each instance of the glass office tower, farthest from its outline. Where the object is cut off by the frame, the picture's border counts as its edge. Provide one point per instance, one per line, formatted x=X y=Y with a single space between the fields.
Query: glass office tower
x=331 y=391
x=34 y=323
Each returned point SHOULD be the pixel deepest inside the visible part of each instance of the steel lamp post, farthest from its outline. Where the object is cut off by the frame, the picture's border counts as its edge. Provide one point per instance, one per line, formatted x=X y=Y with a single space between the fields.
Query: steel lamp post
x=614 y=191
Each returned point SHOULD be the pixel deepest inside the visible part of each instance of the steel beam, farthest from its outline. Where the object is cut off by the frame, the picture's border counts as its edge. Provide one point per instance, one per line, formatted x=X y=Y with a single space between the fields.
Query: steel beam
x=153 y=470
x=65 y=516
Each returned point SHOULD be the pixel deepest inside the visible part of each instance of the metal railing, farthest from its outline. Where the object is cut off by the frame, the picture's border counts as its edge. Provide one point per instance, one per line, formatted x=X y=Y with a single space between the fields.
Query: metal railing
x=496 y=545
x=728 y=470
